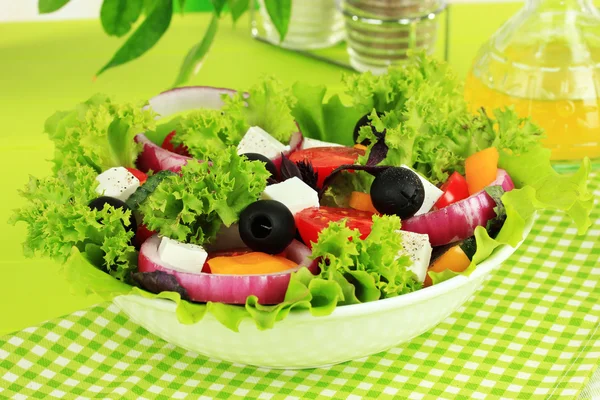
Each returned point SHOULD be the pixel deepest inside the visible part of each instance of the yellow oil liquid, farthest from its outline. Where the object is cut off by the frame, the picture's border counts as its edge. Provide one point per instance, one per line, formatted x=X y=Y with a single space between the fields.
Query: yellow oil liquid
x=572 y=127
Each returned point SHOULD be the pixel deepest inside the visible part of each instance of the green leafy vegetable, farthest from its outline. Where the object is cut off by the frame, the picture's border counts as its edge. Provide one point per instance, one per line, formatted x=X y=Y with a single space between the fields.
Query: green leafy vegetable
x=49 y=6
x=58 y=218
x=268 y=105
x=330 y=121
x=191 y=207
x=372 y=265
x=117 y=16
x=206 y=132
x=427 y=124
x=195 y=56
x=568 y=193
x=145 y=37
x=280 y=12
x=495 y=224
x=98 y=133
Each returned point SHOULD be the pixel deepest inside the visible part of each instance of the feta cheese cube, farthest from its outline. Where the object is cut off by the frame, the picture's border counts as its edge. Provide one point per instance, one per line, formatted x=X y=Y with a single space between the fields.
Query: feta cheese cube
x=432 y=193
x=309 y=143
x=185 y=257
x=117 y=182
x=256 y=140
x=293 y=193
x=418 y=248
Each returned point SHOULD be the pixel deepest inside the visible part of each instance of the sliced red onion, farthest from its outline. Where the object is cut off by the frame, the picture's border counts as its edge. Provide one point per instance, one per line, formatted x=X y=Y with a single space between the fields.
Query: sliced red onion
x=155 y=158
x=296 y=140
x=229 y=289
x=459 y=220
x=188 y=98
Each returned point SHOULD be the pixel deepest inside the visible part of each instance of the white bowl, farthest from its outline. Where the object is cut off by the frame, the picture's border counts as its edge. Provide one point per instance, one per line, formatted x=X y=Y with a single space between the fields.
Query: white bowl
x=302 y=340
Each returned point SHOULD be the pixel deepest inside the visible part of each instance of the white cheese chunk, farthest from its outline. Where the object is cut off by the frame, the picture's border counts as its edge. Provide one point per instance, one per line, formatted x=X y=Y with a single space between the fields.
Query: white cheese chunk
x=309 y=143
x=293 y=193
x=432 y=193
x=184 y=257
x=418 y=248
x=117 y=182
x=256 y=140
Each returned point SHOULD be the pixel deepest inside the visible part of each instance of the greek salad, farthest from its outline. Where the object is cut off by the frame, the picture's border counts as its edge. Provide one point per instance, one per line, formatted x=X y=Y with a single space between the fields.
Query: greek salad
x=251 y=204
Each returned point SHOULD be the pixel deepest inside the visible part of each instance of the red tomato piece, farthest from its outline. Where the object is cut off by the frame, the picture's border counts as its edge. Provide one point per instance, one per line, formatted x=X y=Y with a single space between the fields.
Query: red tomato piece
x=143 y=233
x=142 y=177
x=455 y=189
x=168 y=145
x=325 y=159
x=311 y=221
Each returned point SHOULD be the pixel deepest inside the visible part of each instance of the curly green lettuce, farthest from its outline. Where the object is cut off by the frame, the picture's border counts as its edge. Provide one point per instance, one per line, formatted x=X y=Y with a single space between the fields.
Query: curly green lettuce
x=58 y=218
x=192 y=206
x=205 y=132
x=431 y=128
x=372 y=266
x=98 y=133
x=267 y=104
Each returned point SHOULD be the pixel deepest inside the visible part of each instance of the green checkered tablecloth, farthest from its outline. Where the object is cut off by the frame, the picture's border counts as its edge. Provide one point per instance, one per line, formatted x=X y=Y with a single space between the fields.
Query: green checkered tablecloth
x=532 y=332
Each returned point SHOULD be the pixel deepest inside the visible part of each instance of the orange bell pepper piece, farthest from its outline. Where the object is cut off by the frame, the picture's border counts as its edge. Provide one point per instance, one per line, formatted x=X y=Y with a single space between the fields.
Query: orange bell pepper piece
x=481 y=169
x=250 y=264
x=362 y=201
x=454 y=259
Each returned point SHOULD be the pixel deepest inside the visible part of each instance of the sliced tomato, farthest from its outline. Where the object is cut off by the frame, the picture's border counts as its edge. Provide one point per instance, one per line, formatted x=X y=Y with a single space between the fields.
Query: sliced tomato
x=168 y=145
x=311 y=221
x=143 y=233
x=325 y=159
x=142 y=177
x=455 y=189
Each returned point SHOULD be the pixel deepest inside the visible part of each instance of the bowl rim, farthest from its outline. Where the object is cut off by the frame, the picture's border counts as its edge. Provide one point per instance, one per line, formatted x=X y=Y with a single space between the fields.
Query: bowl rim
x=498 y=256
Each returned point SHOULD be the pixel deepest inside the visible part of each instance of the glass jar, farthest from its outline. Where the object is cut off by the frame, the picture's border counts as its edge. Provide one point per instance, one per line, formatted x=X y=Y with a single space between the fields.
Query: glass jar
x=545 y=62
x=381 y=32
x=314 y=24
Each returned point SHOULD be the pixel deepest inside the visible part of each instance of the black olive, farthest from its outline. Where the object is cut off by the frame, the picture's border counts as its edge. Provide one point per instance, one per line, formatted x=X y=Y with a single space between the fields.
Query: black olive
x=259 y=157
x=98 y=204
x=365 y=121
x=267 y=226
x=397 y=191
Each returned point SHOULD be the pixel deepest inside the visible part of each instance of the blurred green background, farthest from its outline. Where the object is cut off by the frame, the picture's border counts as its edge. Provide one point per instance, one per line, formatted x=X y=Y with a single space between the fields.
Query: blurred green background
x=48 y=66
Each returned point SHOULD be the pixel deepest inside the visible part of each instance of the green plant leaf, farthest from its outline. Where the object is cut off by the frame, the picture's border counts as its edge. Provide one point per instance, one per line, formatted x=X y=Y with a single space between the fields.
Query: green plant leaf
x=145 y=37
x=49 y=6
x=118 y=16
x=218 y=5
x=181 y=6
x=238 y=8
x=193 y=59
x=280 y=12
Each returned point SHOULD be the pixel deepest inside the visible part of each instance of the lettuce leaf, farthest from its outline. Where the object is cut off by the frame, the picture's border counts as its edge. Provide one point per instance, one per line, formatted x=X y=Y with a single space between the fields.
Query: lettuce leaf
x=268 y=105
x=429 y=126
x=330 y=121
x=98 y=133
x=58 y=218
x=371 y=265
x=205 y=132
x=191 y=207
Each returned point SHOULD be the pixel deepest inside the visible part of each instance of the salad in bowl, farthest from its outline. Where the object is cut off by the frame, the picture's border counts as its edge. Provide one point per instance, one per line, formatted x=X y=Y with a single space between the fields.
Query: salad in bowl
x=253 y=226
